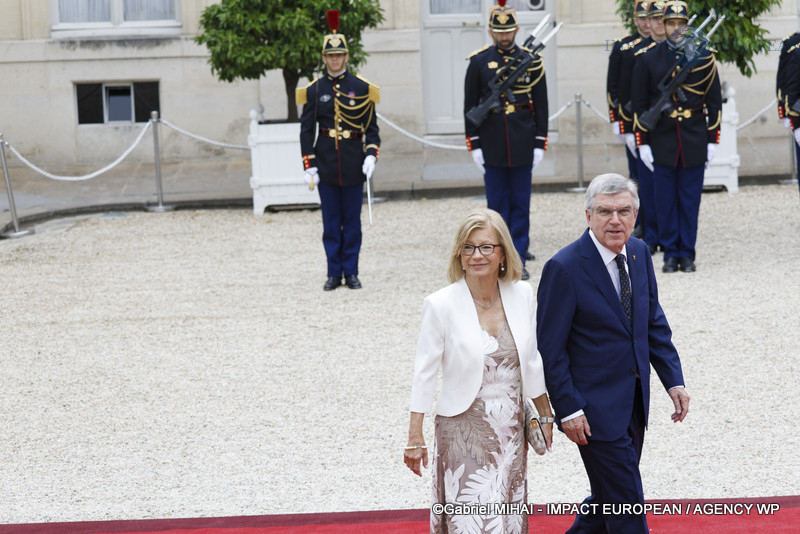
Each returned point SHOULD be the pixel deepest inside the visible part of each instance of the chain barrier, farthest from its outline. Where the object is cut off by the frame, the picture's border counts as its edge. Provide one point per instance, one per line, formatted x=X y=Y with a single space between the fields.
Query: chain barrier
x=203 y=139
x=88 y=176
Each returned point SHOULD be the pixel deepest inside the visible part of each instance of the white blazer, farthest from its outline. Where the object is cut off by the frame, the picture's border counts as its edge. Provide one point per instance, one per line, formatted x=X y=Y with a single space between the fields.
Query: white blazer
x=450 y=336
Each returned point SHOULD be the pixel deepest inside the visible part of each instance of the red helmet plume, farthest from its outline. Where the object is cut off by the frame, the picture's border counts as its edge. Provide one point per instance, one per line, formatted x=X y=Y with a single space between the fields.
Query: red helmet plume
x=333 y=20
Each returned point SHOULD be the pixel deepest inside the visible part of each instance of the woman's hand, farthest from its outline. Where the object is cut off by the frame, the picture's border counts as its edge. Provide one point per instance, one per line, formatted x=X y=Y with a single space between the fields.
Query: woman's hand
x=543 y=407
x=415 y=452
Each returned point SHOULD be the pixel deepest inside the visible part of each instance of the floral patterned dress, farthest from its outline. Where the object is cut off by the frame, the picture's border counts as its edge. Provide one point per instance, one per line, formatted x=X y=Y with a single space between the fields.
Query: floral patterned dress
x=481 y=455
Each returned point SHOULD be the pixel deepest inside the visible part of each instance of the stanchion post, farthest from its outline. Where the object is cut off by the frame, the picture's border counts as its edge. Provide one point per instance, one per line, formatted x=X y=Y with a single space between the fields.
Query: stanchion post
x=11 y=207
x=157 y=151
x=579 y=141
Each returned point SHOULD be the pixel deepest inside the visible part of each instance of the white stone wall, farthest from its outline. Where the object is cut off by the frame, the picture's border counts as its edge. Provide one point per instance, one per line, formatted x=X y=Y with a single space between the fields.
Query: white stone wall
x=38 y=115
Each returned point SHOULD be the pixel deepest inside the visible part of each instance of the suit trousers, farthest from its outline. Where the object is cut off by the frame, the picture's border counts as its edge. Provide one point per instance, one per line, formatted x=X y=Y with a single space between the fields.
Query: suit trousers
x=647 y=204
x=341 y=226
x=613 y=471
x=678 y=190
x=508 y=192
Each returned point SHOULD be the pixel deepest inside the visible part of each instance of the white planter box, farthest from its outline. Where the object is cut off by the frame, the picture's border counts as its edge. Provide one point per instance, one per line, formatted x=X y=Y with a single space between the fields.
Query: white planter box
x=724 y=168
x=277 y=178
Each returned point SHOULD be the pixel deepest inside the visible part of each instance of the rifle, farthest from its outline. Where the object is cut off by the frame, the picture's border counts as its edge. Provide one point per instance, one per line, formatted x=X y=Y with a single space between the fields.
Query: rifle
x=504 y=79
x=670 y=85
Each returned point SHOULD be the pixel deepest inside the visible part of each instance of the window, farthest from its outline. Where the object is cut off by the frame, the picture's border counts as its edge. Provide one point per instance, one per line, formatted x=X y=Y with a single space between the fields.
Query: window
x=116 y=102
x=104 y=18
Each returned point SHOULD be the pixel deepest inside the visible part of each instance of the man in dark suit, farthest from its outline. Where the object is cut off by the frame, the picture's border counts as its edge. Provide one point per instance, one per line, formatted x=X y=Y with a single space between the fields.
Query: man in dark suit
x=788 y=88
x=510 y=143
x=599 y=328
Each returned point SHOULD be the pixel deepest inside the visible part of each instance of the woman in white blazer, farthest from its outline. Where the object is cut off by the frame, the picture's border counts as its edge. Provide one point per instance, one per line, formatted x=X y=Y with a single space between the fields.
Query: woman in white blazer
x=481 y=331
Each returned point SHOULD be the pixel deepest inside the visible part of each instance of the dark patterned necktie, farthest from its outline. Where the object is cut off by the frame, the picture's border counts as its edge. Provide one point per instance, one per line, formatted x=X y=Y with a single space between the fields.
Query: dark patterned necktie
x=624 y=288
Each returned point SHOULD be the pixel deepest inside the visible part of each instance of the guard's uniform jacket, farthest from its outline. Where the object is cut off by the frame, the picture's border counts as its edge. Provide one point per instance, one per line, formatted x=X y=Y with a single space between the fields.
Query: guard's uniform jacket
x=788 y=45
x=628 y=56
x=614 y=74
x=681 y=135
x=508 y=136
x=344 y=107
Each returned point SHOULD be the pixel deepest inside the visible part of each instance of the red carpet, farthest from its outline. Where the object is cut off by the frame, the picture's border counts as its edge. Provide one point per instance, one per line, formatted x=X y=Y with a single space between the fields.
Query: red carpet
x=774 y=515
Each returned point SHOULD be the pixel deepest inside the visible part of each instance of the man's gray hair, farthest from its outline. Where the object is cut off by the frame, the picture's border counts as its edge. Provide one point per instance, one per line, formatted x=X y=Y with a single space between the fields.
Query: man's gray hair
x=611 y=184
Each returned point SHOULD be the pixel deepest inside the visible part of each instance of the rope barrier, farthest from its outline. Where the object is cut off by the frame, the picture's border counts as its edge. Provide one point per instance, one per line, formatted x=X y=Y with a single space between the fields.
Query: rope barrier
x=88 y=176
x=757 y=115
x=203 y=139
x=596 y=111
x=149 y=123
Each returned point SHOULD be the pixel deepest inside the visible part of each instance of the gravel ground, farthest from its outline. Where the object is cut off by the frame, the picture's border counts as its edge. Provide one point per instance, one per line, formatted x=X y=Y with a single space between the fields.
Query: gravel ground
x=188 y=364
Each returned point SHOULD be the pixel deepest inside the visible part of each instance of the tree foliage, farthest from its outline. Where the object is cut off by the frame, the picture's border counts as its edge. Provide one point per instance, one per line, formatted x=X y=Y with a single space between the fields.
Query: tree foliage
x=246 y=38
x=739 y=37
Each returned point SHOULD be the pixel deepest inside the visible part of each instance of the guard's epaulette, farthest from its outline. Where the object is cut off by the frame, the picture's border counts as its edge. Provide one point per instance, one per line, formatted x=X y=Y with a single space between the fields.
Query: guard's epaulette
x=478 y=51
x=631 y=44
x=793 y=48
x=646 y=48
x=301 y=94
x=374 y=90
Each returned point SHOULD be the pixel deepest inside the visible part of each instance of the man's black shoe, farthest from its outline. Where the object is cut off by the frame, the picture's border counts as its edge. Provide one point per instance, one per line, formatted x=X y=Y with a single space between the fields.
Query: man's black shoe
x=653 y=249
x=670 y=265
x=638 y=231
x=687 y=265
x=525 y=274
x=352 y=281
x=332 y=283
x=529 y=256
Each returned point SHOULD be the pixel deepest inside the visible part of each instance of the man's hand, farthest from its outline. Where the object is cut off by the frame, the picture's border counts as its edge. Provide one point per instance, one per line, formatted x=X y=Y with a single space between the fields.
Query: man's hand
x=647 y=156
x=681 y=401
x=538 y=156
x=615 y=127
x=369 y=166
x=477 y=157
x=711 y=151
x=797 y=136
x=788 y=124
x=577 y=429
x=311 y=178
x=630 y=140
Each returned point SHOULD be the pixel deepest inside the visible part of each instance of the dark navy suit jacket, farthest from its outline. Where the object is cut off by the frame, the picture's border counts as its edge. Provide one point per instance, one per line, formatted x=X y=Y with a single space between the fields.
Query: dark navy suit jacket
x=591 y=355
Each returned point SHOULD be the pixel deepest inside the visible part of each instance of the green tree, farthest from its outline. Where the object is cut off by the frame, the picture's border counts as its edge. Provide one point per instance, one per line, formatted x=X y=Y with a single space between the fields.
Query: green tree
x=739 y=37
x=246 y=38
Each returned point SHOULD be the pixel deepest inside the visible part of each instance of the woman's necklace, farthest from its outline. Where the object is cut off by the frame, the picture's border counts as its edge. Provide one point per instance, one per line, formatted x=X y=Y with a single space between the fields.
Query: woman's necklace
x=490 y=305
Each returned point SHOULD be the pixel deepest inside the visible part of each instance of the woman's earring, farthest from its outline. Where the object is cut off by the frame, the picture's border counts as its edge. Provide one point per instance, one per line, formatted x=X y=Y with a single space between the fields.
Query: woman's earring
x=502 y=267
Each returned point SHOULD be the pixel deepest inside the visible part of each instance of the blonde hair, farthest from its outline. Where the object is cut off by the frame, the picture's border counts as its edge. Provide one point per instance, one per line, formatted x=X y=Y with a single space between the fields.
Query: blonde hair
x=480 y=219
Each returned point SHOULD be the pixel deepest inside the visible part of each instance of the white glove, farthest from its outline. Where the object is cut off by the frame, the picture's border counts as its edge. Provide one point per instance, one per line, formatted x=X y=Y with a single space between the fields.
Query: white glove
x=538 y=156
x=311 y=176
x=369 y=166
x=477 y=157
x=797 y=136
x=647 y=156
x=615 y=125
x=712 y=151
x=630 y=140
x=788 y=124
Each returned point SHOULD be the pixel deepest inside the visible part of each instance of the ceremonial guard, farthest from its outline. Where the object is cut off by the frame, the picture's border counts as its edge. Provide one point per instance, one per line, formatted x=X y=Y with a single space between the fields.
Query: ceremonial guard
x=618 y=82
x=511 y=141
x=683 y=136
x=788 y=88
x=341 y=154
x=647 y=220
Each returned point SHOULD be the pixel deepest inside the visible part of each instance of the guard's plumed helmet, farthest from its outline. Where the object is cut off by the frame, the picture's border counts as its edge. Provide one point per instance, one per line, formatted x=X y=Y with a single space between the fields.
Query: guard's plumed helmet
x=501 y=18
x=656 y=9
x=676 y=10
x=640 y=8
x=333 y=43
